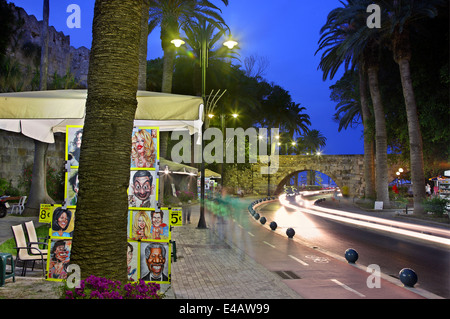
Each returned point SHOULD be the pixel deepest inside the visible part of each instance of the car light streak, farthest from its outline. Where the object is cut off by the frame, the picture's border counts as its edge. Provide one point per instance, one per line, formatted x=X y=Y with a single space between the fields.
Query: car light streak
x=371 y=222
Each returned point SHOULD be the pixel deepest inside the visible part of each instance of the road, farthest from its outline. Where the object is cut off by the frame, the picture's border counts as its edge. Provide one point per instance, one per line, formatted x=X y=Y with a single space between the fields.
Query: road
x=309 y=260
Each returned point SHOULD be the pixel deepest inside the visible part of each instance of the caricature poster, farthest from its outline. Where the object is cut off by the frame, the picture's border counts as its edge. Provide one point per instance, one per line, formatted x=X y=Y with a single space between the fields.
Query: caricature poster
x=155 y=262
x=143 y=189
x=145 y=148
x=148 y=248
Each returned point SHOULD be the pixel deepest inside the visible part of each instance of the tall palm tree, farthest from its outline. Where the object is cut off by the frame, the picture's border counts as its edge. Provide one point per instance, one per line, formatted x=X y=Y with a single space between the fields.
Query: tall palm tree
x=313 y=140
x=347 y=40
x=100 y=235
x=403 y=16
x=198 y=31
x=38 y=190
x=170 y=15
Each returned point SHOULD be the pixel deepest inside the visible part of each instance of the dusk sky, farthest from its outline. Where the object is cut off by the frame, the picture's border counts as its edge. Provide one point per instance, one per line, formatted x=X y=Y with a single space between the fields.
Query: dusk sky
x=286 y=32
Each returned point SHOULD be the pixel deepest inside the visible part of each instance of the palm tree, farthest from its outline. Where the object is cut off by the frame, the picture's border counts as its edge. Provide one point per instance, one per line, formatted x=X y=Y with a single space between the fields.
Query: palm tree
x=313 y=140
x=196 y=33
x=100 y=235
x=352 y=108
x=38 y=190
x=170 y=15
x=347 y=39
x=404 y=15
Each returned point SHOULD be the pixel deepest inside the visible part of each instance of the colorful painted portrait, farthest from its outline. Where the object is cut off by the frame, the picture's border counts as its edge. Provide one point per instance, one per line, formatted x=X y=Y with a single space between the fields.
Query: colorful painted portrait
x=63 y=221
x=132 y=260
x=143 y=189
x=155 y=261
x=72 y=187
x=74 y=137
x=144 y=148
x=58 y=259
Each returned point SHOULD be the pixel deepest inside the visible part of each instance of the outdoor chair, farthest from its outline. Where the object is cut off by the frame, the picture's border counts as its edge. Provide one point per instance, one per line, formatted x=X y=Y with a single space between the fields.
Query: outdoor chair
x=20 y=206
x=35 y=241
x=23 y=251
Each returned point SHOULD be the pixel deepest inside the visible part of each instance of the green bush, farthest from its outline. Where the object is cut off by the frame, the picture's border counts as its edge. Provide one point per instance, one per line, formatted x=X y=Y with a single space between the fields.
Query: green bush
x=436 y=205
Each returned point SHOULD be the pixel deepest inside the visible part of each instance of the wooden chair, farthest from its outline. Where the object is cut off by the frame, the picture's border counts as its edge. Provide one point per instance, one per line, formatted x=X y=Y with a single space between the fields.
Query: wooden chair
x=23 y=251
x=20 y=206
x=35 y=241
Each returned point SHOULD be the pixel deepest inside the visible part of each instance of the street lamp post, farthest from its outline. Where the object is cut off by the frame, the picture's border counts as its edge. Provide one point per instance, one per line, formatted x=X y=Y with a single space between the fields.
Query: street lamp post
x=204 y=64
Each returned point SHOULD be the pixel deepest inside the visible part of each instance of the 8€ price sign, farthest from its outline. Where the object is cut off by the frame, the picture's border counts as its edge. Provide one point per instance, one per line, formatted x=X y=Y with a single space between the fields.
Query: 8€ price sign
x=45 y=213
x=176 y=217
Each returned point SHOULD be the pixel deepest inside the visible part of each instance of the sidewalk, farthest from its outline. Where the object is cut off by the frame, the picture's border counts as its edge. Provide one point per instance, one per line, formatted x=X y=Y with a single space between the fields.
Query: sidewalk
x=209 y=268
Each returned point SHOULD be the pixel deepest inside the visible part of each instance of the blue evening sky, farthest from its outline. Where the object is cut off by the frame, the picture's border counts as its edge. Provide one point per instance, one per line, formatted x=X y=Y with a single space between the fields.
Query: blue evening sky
x=285 y=32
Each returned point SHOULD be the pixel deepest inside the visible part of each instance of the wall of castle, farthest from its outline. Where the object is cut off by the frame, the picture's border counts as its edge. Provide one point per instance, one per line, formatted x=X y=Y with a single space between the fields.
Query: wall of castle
x=62 y=56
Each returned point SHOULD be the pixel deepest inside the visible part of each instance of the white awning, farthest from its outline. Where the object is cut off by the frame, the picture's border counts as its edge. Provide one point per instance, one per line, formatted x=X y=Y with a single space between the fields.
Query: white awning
x=39 y=114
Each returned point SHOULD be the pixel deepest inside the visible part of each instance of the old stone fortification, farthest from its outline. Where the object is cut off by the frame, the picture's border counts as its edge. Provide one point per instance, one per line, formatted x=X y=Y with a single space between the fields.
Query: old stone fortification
x=62 y=57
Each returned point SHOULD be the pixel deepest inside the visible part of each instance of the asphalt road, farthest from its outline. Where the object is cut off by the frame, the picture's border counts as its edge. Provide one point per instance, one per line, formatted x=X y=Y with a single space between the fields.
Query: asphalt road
x=390 y=252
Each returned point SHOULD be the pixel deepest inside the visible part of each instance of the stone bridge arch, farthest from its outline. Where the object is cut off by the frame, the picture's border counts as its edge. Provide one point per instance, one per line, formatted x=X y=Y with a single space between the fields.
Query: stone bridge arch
x=345 y=170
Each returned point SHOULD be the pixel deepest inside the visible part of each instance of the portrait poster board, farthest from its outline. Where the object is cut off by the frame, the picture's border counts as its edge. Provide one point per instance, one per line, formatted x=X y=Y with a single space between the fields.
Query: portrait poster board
x=143 y=203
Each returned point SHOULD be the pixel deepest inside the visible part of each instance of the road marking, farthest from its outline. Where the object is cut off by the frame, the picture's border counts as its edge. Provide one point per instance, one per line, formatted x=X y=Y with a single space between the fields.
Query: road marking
x=251 y=234
x=298 y=260
x=347 y=287
x=268 y=244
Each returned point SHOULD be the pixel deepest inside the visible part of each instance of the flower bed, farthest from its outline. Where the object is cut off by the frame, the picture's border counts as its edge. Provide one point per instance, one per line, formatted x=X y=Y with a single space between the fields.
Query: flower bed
x=102 y=288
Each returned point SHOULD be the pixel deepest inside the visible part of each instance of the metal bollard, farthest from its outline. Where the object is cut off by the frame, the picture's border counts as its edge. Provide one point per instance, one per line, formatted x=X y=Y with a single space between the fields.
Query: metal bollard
x=273 y=225
x=408 y=277
x=351 y=255
x=290 y=232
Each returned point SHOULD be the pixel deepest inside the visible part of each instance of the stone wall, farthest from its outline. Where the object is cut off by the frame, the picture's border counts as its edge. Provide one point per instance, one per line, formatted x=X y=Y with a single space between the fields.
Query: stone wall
x=62 y=56
x=17 y=151
x=345 y=170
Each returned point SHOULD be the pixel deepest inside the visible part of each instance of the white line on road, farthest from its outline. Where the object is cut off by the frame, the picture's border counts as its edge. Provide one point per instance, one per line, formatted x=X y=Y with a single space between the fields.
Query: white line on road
x=347 y=287
x=251 y=234
x=298 y=260
x=268 y=244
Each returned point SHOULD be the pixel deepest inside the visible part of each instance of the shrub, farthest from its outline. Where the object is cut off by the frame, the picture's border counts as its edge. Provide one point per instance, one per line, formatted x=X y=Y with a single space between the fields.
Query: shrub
x=436 y=205
x=184 y=196
x=95 y=287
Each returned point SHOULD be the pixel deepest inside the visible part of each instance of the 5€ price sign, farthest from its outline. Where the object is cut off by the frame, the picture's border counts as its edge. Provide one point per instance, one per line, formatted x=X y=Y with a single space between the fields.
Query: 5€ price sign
x=45 y=213
x=176 y=217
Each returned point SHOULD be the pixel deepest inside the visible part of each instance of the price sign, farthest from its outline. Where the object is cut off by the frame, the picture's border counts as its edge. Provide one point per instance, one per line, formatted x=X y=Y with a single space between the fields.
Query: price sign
x=45 y=213
x=176 y=217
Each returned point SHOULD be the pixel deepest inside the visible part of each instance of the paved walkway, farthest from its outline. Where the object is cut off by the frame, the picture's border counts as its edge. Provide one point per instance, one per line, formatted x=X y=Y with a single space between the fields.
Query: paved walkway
x=207 y=267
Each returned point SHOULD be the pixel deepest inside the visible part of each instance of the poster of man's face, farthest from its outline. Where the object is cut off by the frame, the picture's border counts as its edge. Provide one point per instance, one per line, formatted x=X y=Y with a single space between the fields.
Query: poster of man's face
x=74 y=137
x=155 y=259
x=142 y=190
x=72 y=187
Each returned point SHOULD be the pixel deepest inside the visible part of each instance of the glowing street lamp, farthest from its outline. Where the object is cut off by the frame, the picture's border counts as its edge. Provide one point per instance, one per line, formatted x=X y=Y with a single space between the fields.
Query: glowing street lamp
x=230 y=44
x=177 y=42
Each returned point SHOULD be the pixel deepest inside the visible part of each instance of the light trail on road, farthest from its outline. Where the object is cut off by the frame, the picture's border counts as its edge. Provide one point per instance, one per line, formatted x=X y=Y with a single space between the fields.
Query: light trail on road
x=375 y=223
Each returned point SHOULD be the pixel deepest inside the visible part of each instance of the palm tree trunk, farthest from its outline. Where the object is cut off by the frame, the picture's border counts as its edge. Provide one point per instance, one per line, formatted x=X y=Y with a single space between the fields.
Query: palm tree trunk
x=381 y=176
x=38 y=190
x=142 y=83
x=100 y=235
x=415 y=138
x=369 y=155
